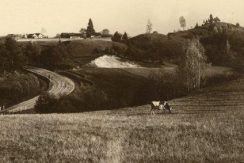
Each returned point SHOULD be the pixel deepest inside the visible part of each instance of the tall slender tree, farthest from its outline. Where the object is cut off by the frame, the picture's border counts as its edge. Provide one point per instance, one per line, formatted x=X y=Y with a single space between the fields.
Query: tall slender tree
x=196 y=26
x=211 y=19
x=149 y=26
x=192 y=64
x=90 y=28
x=125 y=37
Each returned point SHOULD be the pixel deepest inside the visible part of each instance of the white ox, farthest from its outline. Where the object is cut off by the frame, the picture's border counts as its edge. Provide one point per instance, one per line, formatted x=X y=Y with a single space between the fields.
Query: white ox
x=160 y=105
x=156 y=105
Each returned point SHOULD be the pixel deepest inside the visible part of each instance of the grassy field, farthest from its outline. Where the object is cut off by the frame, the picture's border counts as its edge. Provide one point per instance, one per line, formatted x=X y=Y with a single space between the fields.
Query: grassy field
x=114 y=88
x=205 y=127
x=117 y=87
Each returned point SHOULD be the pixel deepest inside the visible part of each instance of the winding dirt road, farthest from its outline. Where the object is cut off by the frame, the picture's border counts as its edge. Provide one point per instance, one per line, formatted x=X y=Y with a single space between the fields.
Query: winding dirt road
x=59 y=86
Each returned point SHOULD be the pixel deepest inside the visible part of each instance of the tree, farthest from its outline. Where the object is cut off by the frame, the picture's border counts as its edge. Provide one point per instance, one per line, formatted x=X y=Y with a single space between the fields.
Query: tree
x=90 y=29
x=125 y=37
x=182 y=21
x=227 y=47
x=237 y=25
x=3 y=58
x=32 y=52
x=56 y=56
x=117 y=37
x=82 y=30
x=149 y=26
x=211 y=20
x=46 y=103
x=216 y=19
x=192 y=64
x=196 y=26
x=15 y=56
x=203 y=23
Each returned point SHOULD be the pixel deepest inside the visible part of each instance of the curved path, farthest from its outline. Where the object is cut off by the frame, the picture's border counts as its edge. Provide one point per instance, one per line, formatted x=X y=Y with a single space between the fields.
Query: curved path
x=59 y=86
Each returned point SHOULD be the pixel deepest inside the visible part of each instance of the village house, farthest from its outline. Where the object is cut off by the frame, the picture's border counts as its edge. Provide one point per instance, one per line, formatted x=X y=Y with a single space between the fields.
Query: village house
x=36 y=36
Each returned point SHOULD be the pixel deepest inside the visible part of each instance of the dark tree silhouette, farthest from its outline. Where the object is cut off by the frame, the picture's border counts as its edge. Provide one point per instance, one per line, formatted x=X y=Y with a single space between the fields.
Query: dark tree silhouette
x=196 y=26
x=117 y=37
x=14 y=55
x=90 y=29
x=32 y=52
x=216 y=19
x=211 y=19
x=125 y=37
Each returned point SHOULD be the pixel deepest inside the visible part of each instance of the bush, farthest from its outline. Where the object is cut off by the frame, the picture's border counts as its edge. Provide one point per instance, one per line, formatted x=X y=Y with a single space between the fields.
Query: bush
x=46 y=103
x=90 y=99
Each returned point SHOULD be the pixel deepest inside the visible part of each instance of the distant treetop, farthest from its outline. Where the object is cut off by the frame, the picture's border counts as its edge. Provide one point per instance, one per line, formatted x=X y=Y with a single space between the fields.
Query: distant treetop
x=149 y=26
x=182 y=21
x=90 y=29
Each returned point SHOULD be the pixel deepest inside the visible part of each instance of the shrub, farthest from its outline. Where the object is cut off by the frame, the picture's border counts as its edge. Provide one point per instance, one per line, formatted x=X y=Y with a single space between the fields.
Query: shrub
x=46 y=103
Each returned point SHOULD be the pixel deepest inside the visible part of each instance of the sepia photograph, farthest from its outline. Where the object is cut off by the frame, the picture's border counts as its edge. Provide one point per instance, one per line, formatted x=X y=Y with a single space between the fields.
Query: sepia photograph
x=122 y=81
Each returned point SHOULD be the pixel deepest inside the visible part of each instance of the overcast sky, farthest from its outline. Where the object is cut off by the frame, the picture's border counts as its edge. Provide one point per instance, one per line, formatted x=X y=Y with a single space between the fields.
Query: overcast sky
x=55 y=16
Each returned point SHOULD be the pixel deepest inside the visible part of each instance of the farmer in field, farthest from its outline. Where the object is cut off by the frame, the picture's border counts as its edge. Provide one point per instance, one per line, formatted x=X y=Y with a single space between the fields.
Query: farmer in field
x=167 y=106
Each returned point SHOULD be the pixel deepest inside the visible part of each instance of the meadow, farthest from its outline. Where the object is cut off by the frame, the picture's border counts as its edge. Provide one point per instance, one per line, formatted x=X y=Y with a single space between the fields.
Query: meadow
x=207 y=126
x=114 y=88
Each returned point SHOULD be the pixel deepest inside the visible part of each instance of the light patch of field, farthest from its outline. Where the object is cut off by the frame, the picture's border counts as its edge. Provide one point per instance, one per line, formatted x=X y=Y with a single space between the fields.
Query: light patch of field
x=217 y=70
x=107 y=61
x=206 y=127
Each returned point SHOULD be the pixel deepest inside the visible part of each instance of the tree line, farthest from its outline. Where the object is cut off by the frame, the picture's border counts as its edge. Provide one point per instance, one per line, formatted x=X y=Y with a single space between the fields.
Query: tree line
x=14 y=55
x=11 y=55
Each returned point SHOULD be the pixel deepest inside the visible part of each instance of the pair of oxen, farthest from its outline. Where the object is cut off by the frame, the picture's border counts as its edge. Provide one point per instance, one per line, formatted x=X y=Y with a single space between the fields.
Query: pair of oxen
x=160 y=105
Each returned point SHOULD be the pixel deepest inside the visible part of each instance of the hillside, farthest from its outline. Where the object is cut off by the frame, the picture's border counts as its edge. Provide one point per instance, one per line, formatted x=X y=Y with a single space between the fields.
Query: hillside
x=87 y=50
x=201 y=129
x=66 y=54
x=151 y=47
x=114 y=88
x=19 y=86
x=223 y=43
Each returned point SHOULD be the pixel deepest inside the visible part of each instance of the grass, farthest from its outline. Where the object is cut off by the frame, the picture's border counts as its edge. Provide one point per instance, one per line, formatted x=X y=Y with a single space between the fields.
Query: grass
x=207 y=127
x=115 y=87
